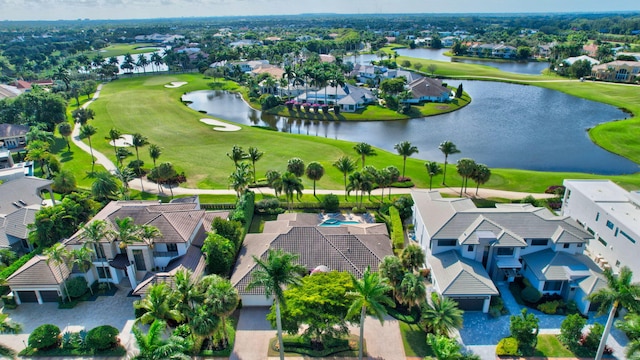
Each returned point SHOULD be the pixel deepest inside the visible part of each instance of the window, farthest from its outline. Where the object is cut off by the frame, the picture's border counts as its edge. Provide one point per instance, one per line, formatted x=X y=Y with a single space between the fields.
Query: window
x=447 y=242
x=470 y=248
x=539 y=242
x=566 y=246
x=103 y=272
x=139 y=260
x=552 y=285
x=507 y=251
x=627 y=236
x=590 y=231
x=616 y=234
x=602 y=241
x=597 y=216
x=610 y=225
x=579 y=245
x=172 y=247
x=99 y=251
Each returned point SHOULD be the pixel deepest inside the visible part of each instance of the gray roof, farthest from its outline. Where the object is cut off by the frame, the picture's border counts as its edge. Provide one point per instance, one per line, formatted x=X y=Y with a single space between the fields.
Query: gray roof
x=458 y=276
x=193 y=260
x=37 y=271
x=18 y=193
x=427 y=87
x=548 y=265
x=12 y=130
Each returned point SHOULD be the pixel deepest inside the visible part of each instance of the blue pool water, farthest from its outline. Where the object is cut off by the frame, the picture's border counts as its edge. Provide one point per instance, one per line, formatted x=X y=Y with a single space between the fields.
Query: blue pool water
x=334 y=222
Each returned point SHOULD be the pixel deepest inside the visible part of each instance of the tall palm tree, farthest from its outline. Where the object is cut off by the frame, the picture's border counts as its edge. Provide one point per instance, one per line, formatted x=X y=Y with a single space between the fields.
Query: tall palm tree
x=291 y=184
x=63 y=75
x=83 y=115
x=158 y=305
x=114 y=135
x=254 y=155
x=59 y=255
x=65 y=130
x=277 y=271
x=156 y=59
x=447 y=148
x=433 y=169
x=356 y=181
x=138 y=140
x=405 y=149
x=240 y=178
x=127 y=232
x=631 y=326
x=391 y=269
x=222 y=299
x=125 y=175
x=148 y=234
x=92 y=234
x=619 y=292
x=369 y=296
x=82 y=259
x=411 y=290
x=315 y=172
x=154 y=153
x=296 y=166
x=481 y=175
x=153 y=346
x=237 y=155
x=274 y=179
x=442 y=315
x=363 y=149
x=412 y=257
x=186 y=292
x=466 y=167
x=142 y=62
x=346 y=165
x=104 y=186
x=203 y=324
x=87 y=131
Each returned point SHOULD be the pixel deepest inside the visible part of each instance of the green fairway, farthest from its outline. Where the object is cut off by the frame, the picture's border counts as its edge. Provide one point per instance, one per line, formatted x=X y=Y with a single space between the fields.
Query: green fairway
x=121 y=49
x=144 y=105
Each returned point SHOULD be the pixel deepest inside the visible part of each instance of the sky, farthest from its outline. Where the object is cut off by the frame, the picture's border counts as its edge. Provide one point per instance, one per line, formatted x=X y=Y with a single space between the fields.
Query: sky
x=139 y=9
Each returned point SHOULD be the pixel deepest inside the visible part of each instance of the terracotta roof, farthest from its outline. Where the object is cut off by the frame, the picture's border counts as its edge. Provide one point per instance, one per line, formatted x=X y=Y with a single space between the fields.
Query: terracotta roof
x=37 y=272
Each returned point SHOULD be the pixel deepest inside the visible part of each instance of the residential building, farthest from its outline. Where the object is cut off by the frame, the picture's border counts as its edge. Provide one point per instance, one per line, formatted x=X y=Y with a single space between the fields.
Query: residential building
x=469 y=249
x=569 y=61
x=373 y=73
x=9 y=91
x=351 y=248
x=612 y=216
x=38 y=280
x=492 y=50
x=618 y=71
x=13 y=136
x=428 y=89
x=350 y=98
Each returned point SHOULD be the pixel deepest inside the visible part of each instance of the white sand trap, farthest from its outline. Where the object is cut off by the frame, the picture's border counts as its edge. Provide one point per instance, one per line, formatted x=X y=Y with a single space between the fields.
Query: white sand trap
x=176 y=84
x=124 y=141
x=220 y=126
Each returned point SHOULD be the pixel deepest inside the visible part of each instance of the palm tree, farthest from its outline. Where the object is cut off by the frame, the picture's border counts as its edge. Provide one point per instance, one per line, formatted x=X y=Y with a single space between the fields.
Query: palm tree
x=631 y=326
x=59 y=255
x=148 y=234
x=62 y=74
x=412 y=257
x=369 y=295
x=433 y=169
x=186 y=292
x=240 y=178
x=411 y=290
x=86 y=131
x=237 y=155
x=138 y=140
x=154 y=153
x=38 y=151
x=254 y=155
x=274 y=179
x=93 y=233
x=203 y=325
x=7 y=352
x=64 y=182
x=222 y=299
x=82 y=259
x=315 y=171
x=442 y=315
x=274 y=273
x=619 y=292
x=166 y=173
x=405 y=149
x=156 y=59
x=481 y=175
x=64 y=128
x=153 y=346
x=356 y=181
x=466 y=167
x=447 y=148
x=83 y=115
x=391 y=269
x=290 y=75
x=114 y=134
x=346 y=165
x=295 y=166
x=104 y=186
x=127 y=232
x=125 y=175
x=158 y=305
x=363 y=149
x=291 y=184
x=142 y=62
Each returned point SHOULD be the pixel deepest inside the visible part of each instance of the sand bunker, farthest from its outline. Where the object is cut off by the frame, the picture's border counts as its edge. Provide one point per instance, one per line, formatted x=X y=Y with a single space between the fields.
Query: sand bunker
x=124 y=141
x=175 y=84
x=220 y=126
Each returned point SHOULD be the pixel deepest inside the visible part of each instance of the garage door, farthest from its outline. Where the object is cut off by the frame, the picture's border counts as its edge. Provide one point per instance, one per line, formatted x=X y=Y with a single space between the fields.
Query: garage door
x=49 y=296
x=28 y=296
x=470 y=304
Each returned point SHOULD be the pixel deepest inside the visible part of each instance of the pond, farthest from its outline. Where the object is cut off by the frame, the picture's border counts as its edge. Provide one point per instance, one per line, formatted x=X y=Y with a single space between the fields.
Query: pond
x=505 y=126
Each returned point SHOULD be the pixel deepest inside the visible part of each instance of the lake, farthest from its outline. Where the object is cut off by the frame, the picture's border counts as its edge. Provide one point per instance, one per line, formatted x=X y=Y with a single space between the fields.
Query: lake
x=505 y=126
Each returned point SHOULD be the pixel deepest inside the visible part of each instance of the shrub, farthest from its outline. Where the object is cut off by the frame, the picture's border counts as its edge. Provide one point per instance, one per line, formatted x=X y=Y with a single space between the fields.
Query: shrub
x=397 y=232
x=404 y=205
x=531 y=295
x=77 y=286
x=9 y=301
x=592 y=340
x=331 y=203
x=44 y=336
x=268 y=101
x=102 y=337
x=571 y=330
x=494 y=312
x=550 y=307
x=269 y=206
x=507 y=347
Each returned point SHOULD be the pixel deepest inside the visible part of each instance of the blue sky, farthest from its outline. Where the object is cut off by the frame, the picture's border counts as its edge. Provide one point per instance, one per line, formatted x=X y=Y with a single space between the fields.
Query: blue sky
x=131 y=9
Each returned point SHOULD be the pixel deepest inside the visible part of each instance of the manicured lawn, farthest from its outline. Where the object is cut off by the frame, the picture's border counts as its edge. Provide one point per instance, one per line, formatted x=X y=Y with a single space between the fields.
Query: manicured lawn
x=549 y=347
x=414 y=340
x=121 y=49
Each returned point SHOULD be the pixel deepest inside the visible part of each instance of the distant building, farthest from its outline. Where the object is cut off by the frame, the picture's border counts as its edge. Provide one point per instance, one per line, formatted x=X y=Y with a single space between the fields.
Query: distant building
x=427 y=89
x=618 y=71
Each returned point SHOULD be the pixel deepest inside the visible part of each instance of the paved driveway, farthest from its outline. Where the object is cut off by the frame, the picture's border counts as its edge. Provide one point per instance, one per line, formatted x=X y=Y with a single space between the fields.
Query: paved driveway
x=116 y=311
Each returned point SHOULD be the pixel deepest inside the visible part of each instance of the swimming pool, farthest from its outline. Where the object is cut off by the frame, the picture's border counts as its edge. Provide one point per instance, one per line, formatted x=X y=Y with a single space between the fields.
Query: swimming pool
x=336 y=222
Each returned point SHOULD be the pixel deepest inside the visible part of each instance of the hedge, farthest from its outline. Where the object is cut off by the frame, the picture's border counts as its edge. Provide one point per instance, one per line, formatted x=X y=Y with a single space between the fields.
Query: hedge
x=245 y=206
x=507 y=347
x=397 y=231
x=44 y=336
x=9 y=270
x=102 y=337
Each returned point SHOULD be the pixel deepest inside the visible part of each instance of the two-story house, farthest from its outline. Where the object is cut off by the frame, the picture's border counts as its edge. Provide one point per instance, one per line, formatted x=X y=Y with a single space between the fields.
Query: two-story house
x=469 y=249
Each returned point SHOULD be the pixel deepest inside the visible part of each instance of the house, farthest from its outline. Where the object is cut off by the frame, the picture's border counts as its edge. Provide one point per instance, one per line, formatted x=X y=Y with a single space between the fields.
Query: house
x=373 y=73
x=469 y=249
x=590 y=50
x=569 y=61
x=9 y=91
x=247 y=66
x=158 y=38
x=618 y=71
x=350 y=248
x=20 y=199
x=350 y=98
x=427 y=89
x=13 y=136
x=409 y=75
x=38 y=280
x=612 y=216
x=492 y=50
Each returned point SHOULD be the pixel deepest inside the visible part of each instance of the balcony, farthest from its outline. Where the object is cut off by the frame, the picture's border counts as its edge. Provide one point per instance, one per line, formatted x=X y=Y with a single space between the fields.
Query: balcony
x=169 y=254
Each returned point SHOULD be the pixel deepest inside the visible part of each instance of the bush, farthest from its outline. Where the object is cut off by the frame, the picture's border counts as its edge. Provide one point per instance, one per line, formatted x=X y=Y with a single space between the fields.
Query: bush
x=397 y=231
x=592 y=340
x=268 y=101
x=269 y=206
x=44 y=336
x=550 y=307
x=404 y=205
x=571 y=330
x=244 y=209
x=102 y=337
x=9 y=301
x=531 y=294
x=331 y=203
x=9 y=270
x=507 y=347
x=76 y=286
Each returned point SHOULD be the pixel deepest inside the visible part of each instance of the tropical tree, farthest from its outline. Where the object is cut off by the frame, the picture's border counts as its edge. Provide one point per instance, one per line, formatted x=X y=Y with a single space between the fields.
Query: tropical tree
x=82 y=259
x=148 y=234
x=447 y=148
x=369 y=296
x=153 y=346
x=83 y=115
x=64 y=182
x=443 y=347
x=254 y=155
x=466 y=167
x=405 y=149
x=166 y=174
x=38 y=151
x=274 y=179
x=237 y=155
x=222 y=299
x=363 y=149
x=114 y=135
x=411 y=290
x=127 y=232
x=291 y=184
x=59 y=255
x=87 y=131
x=346 y=165
x=138 y=140
x=104 y=186
x=142 y=62
x=62 y=74
x=125 y=175
x=7 y=352
x=442 y=315
x=356 y=181
x=433 y=169
x=619 y=292
x=315 y=172
x=154 y=153
x=64 y=128
x=391 y=269
x=296 y=166
x=240 y=178
x=525 y=328
x=92 y=233
x=156 y=59
x=203 y=324
x=277 y=271
x=481 y=175
x=158 y=305
x=395 y=174
x=412 y=257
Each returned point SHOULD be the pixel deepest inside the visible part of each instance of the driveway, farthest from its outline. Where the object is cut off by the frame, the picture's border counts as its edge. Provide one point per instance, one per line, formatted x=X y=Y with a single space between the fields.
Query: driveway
x=116 y=311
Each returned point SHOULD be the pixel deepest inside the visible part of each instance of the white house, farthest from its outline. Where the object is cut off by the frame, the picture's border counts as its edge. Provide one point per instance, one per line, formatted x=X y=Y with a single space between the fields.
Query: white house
x=468 y=249
x=612 y=216
x=350 y=98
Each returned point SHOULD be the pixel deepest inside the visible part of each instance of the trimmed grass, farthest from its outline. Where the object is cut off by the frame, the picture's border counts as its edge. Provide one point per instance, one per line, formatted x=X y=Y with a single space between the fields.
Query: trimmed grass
x=122 y=49
x=549 y=347
x=414 y=340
